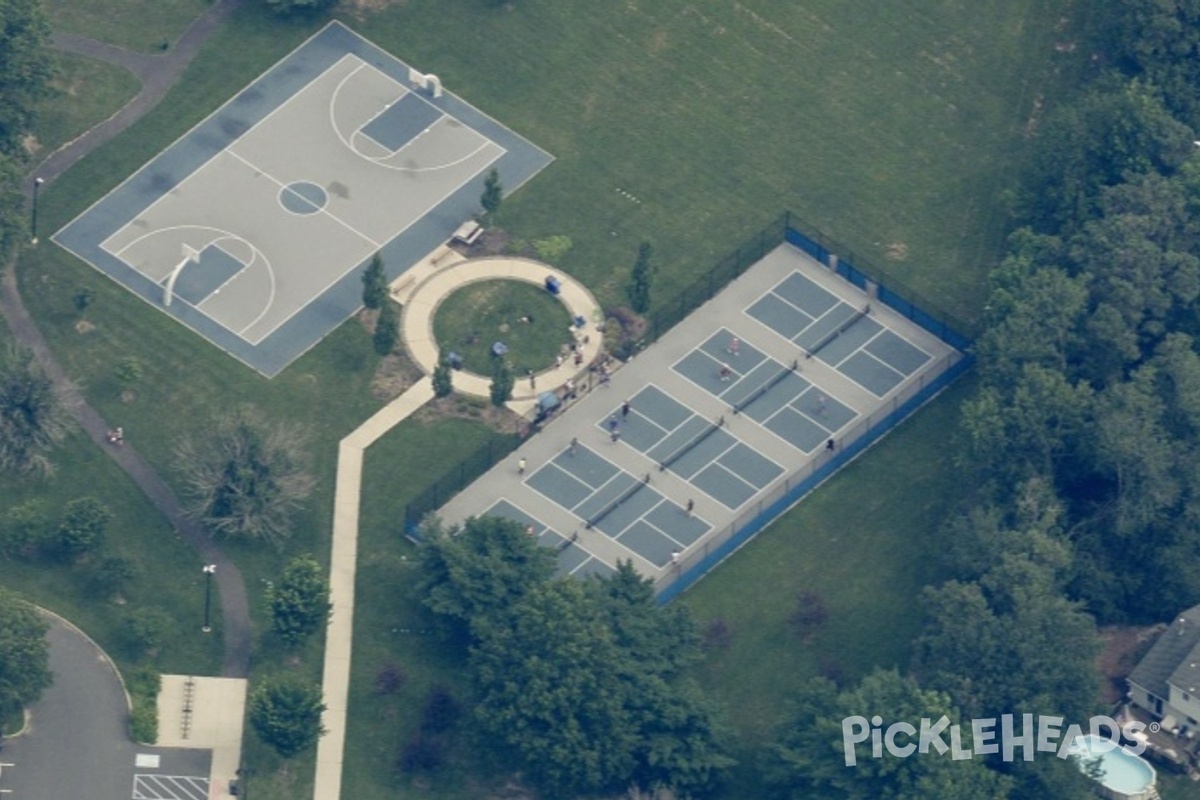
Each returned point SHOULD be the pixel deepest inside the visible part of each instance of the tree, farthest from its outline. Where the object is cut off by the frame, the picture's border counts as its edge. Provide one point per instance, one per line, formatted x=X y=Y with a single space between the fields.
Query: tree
x=585 y=684
x=82 y=299
x=285 y=712
x=299 y=600
x=552 y=248
x=33 y=418
x=301 y=6
x=501 y=387
x=82 y=529
x=487 y=565
x=809 y=759
x=24 y=655
x=810 y=615
x=1015 y=614
x=375 y=285
x=442 y=378
x=640 y=279
x=26 y=67
x=144 y=630
x=110 y=575
x=247 y=478
x=387 y=329
x=493 y=192
x=129 y=371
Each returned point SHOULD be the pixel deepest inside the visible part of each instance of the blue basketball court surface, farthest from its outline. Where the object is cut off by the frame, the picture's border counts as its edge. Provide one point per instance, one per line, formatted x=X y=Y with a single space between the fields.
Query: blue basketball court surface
x=254 y=227
x=693 y=438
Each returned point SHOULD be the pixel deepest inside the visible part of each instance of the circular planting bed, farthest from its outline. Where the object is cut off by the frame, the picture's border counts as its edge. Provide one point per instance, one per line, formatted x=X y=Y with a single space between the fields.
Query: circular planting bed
x=533 y=324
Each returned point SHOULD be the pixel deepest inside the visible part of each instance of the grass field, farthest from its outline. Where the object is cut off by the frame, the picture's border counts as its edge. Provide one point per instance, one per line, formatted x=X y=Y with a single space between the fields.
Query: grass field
x=85 y=92
x=894 y=128
x=144 y=25
x=866 y=542
x=534 y=325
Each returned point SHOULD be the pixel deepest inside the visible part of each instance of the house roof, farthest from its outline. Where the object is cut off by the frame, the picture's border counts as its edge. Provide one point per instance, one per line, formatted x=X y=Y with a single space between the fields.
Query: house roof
x=1174 y=658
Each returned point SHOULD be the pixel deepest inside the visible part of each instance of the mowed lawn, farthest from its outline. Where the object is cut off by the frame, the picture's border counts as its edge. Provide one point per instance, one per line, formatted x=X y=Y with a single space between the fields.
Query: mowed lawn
x=143 y=25
x=895 y=129
x=865 y=542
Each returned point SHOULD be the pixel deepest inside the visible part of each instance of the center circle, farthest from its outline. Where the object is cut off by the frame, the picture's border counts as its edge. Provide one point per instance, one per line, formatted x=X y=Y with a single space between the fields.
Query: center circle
x=302 y=197
x=532 y=325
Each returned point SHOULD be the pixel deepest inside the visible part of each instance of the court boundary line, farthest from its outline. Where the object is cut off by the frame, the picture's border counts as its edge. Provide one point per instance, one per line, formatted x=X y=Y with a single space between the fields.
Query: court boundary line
x=717 y=465
x=380 y=162
x=549 y=464
x=682 y=547
x=655 y=528
x=928 y=355
x=262 y=75
x=814 y=319
x=160 y=282
x=211 y=115
x=323 y=211
x=577 y=541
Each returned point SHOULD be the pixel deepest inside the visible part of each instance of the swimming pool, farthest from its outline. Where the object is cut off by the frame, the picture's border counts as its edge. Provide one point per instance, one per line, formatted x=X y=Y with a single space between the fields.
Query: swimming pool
x=1126 y=776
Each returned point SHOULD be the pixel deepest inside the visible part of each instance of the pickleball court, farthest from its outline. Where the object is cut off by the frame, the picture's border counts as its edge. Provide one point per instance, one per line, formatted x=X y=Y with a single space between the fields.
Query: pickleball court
x=748 y=396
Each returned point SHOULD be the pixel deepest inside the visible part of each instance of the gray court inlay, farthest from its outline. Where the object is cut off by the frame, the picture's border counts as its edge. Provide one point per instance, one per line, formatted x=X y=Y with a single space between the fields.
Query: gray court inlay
x=303 y=197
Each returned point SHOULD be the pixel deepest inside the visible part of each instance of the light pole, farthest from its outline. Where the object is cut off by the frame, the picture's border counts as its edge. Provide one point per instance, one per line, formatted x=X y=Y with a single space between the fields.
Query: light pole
x=37 y=184
x=209 y=569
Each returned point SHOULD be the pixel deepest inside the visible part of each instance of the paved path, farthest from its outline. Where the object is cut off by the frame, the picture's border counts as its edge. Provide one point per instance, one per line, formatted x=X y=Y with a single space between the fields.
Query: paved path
x=235 y=610
x=432 y=286
x=157 y=73
x=76 y=743
x=342 y=564
x=420 y=289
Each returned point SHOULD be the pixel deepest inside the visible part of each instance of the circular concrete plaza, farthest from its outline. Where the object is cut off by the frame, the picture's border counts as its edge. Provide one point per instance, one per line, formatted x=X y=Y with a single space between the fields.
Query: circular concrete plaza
x=421 y=306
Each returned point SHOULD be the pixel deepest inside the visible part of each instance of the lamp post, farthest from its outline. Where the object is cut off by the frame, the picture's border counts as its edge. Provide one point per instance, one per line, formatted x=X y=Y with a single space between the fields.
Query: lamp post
x=37 y=184
x=209 y=569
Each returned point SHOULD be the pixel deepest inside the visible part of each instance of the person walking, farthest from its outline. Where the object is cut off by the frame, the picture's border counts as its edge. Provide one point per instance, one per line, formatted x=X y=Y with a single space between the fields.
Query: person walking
x=625 y=408
x=734 y=346
x=574 y=444
x=521 y=466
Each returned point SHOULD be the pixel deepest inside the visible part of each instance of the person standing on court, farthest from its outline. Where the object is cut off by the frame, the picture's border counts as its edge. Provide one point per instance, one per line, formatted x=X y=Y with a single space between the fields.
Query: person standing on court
x=625 y=408
x=521 y=466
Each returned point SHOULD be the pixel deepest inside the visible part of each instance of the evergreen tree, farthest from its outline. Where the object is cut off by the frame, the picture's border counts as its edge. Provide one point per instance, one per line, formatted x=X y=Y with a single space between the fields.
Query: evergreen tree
x=502 y=382
x=640 y=280
x=493 y=192
x=375 y=285
x=442 y=378
x=387 y=330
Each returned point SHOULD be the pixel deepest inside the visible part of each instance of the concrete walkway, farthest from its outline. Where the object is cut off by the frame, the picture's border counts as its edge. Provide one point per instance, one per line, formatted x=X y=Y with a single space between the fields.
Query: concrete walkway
x=442 y=275
x=420 y=290
x=327 y=784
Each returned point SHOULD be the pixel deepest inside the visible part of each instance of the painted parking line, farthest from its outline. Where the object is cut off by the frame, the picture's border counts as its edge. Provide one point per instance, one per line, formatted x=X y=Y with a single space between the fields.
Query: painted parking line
x=169 y=787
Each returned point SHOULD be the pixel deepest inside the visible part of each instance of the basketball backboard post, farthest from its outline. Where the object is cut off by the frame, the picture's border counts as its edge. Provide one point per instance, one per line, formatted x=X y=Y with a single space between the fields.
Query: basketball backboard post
x=190 y=256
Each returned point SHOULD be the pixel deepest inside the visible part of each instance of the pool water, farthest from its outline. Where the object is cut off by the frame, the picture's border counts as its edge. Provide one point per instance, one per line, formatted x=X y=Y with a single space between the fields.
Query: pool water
x=1124 y=773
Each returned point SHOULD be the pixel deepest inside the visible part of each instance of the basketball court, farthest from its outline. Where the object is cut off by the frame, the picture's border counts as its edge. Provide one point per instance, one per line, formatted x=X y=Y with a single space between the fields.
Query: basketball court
x=774 y=378
x=254 y=227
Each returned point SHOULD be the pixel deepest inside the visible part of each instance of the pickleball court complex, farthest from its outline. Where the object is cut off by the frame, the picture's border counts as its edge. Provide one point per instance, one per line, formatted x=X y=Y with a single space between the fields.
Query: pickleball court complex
x=254 y=227
x=721 y=424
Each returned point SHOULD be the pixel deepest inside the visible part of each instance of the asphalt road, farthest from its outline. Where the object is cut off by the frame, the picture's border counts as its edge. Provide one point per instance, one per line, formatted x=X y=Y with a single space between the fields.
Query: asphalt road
x=76 y=745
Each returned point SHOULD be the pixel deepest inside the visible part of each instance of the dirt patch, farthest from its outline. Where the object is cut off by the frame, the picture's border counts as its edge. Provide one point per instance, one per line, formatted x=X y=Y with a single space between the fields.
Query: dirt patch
x=360 y=8
x=83 y=326
x=31 y=144
x=1123 y=646
x=393 y=376
x=456 y=406
x=896 y=251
